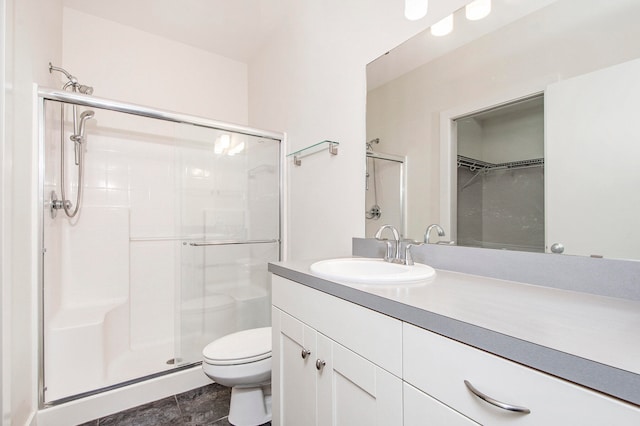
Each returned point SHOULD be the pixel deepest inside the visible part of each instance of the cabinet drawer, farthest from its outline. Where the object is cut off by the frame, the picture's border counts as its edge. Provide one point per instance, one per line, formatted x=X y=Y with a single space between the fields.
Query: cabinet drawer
x=375 y=336
x=440 y=366
x=420 y=409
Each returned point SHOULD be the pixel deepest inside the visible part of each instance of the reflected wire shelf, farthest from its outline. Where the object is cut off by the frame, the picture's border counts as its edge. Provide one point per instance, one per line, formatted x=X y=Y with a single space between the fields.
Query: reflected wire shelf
x=312 y=149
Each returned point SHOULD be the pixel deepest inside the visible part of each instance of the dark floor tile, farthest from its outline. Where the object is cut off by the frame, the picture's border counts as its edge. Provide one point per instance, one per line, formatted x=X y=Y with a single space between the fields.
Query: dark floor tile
x=205 y=406
x=223 y=422
x=162 y=412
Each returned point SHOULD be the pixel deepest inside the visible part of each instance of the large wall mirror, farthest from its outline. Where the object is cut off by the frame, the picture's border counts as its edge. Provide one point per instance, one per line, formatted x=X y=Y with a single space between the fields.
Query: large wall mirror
x=519 y=131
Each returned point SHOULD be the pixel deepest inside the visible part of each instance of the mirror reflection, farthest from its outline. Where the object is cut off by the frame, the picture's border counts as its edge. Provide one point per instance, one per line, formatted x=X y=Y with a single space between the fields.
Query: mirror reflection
x=517 y=130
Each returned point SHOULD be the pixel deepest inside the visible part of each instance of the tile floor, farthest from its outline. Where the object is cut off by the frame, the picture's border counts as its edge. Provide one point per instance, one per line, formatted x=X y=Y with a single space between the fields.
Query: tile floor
x=206 y=406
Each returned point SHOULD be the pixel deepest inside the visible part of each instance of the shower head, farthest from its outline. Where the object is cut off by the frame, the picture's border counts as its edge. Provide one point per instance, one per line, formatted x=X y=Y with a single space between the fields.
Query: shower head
x=87 y=90
x=73 y=82
x=86 y=115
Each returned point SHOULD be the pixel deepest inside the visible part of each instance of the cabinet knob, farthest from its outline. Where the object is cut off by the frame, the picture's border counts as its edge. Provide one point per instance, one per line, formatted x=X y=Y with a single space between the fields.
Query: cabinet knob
x=320 y=364
x=488 y=399
x=305 y=353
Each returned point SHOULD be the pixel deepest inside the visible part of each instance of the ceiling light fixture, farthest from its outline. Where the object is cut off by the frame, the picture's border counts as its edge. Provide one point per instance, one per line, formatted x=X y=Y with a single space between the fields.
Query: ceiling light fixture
x=415 y=9
x=442 y=27
x=477 y=9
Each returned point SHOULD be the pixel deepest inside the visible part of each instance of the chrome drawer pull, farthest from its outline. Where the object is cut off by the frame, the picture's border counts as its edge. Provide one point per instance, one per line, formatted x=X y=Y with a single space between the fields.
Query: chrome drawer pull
x=305 y=353
x=492 y=401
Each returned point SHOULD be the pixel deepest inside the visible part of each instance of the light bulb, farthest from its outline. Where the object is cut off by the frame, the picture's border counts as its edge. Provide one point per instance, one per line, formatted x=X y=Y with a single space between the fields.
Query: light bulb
x=442 y=27
x=415 y=9
x=477 y=9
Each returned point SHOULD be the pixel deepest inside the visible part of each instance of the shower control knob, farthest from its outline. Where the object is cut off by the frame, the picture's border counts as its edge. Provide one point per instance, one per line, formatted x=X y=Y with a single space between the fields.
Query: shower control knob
x=305 y=353
x=557 y=248
x=320 y=364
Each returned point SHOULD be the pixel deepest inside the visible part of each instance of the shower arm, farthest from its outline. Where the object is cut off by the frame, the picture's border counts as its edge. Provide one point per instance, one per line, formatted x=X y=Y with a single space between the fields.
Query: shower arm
x=71 y=78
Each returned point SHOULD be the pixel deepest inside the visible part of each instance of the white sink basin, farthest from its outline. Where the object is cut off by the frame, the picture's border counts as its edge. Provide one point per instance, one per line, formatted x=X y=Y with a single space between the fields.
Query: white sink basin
x=372 y=271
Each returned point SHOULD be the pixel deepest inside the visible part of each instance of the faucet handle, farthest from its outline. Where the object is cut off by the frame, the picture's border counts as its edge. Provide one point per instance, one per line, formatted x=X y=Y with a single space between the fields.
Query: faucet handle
x=389 y=254
x=408 y=259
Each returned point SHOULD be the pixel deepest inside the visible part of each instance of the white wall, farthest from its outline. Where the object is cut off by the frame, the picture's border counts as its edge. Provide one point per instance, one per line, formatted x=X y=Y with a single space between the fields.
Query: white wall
x=32 y=34
x=4 y=391
x=514 y=61
x=310 y=81
x=130 y=65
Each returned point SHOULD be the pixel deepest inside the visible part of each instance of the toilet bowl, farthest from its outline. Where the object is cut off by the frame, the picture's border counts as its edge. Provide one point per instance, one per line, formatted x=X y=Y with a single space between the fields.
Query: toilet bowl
x=242 y=361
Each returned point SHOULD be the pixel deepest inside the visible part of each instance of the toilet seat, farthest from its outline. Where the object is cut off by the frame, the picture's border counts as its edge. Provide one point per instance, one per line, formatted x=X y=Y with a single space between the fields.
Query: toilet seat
x=242 y=347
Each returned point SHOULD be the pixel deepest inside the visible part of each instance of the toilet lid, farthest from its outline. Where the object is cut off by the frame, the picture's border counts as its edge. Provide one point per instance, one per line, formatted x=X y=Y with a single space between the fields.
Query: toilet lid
x=239 y=348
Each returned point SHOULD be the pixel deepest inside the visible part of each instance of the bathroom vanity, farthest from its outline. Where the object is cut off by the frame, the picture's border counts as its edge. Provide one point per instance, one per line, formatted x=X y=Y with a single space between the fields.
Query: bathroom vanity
x=459 y=349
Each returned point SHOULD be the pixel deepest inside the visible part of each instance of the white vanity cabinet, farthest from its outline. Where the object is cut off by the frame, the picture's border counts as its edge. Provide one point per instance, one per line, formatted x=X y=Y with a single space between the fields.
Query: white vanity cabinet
x=336 y=362
x=440 y=366
x=327 y=357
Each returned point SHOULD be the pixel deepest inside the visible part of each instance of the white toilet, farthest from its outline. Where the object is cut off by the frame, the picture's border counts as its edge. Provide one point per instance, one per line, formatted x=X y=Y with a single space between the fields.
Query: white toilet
x=242 y=361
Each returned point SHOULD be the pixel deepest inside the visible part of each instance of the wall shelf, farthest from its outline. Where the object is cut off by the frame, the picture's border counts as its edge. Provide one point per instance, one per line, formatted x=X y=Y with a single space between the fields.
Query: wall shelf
x=479 y=166
x=312 y=149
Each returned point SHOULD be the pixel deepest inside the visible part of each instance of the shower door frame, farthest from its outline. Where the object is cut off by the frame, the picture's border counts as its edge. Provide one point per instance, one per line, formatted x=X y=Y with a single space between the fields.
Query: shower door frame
x=44 y=94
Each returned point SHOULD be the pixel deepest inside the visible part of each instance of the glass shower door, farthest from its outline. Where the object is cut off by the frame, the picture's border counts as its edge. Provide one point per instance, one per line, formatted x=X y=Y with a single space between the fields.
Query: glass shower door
x=168 y=251
x=230 y=211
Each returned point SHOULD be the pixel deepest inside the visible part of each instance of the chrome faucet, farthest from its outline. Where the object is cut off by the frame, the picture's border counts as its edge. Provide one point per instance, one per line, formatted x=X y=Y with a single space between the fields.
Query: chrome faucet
x=393 y=254
x=427 y=234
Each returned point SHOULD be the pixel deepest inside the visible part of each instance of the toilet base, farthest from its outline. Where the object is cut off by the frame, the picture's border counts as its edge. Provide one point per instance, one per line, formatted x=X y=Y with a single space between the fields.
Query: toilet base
x=250 y=406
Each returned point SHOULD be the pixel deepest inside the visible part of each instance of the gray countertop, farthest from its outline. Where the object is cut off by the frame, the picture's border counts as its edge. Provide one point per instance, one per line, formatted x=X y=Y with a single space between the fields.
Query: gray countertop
x=587 y=339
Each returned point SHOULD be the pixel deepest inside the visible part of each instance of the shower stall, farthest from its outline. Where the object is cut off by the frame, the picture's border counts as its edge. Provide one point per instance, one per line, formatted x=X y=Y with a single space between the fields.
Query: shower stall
x=176 y=218
x=384 y=191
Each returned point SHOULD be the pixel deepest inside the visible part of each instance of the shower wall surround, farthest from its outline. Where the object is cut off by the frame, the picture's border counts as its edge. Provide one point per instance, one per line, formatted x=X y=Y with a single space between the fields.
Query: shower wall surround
x=132 y=283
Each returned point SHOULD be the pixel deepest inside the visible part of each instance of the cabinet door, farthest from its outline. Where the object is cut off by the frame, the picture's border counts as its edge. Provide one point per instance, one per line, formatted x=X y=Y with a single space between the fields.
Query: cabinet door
x=354 y=391
x=422 y=410
x=293 y=371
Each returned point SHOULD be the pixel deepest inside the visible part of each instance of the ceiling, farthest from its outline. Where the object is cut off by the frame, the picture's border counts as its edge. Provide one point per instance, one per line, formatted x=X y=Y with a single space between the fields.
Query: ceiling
x=235 y=29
